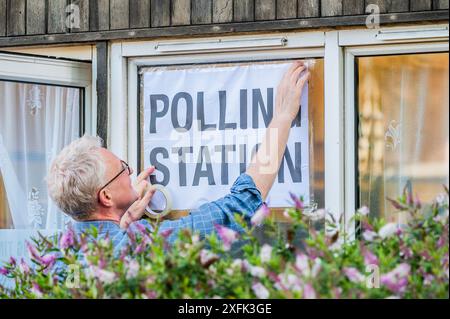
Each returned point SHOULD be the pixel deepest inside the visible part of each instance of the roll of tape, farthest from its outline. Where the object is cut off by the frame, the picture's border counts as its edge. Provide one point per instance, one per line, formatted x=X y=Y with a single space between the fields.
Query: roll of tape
x=160 y=204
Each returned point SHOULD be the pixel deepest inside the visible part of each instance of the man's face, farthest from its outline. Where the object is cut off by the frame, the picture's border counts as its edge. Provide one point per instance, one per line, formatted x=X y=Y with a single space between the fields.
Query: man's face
x=121 y=189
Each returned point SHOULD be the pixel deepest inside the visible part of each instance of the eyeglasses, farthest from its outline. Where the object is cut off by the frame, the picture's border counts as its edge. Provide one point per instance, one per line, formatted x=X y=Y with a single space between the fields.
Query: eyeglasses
x=125 y=167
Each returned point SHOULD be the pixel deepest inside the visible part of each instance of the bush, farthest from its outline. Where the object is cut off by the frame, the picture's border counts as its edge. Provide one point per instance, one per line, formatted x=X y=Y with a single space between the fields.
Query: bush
x=385 y=261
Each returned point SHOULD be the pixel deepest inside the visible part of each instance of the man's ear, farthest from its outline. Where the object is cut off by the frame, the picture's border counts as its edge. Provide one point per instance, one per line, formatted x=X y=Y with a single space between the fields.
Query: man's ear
x=104 y=198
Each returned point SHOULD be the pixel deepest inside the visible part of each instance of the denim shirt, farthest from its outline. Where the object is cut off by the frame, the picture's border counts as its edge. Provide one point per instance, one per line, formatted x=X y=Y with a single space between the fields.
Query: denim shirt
x=244 y=198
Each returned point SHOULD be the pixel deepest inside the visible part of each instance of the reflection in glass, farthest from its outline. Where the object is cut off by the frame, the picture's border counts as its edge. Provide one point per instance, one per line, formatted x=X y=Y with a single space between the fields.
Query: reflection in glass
x=403 y=128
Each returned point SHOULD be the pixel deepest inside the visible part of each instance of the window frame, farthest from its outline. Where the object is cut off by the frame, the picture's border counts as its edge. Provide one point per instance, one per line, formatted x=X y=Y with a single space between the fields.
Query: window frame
x=31 y=68
x=370 y=47
x=57 y=72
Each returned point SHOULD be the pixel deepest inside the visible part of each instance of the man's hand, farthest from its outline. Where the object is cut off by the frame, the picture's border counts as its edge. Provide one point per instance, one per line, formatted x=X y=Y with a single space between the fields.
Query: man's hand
x=145 y=194
x=290 y=89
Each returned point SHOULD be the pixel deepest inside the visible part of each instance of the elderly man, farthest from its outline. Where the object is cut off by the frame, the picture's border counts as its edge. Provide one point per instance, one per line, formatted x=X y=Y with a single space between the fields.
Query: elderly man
x=93 y=186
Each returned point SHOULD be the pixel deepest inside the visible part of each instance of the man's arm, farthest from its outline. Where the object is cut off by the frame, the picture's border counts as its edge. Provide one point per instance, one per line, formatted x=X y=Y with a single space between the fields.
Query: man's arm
x=266 y=162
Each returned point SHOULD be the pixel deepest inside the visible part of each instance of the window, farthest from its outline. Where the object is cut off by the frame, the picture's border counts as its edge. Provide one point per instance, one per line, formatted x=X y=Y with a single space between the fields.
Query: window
x=37 y=122
x=403 y=127
x=44 y=104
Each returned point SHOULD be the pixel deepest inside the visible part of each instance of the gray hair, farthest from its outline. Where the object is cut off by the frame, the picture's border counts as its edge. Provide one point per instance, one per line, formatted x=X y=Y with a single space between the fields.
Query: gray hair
x=75 y=176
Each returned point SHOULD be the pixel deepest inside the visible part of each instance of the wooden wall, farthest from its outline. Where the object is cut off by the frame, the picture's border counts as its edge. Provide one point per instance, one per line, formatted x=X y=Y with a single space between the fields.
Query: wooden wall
x=29 y=18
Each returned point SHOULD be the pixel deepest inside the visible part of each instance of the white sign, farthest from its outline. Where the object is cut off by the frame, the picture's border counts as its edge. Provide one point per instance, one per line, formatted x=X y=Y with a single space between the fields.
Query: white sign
x=203 y=123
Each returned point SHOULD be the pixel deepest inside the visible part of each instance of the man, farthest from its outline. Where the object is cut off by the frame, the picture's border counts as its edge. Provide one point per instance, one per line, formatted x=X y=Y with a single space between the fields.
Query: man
x=93 y=186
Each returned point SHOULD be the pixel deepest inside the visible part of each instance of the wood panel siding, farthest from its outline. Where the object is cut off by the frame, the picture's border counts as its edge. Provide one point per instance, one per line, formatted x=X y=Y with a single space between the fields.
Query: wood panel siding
x=15 y=17
x=49 y=21
x=160 y=13
x=119 y=14
x=35 y=17
x=99 y=15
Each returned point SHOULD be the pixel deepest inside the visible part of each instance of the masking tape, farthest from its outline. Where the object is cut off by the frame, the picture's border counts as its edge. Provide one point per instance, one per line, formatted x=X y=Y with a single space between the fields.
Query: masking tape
x=160 y=204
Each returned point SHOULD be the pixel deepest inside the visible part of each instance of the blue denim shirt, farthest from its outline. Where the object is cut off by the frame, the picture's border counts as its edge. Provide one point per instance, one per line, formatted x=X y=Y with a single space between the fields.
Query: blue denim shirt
x=244 y=198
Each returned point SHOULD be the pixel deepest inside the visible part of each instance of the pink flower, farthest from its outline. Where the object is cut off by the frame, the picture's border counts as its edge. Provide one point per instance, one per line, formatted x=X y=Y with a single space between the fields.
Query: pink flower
x=102 y=262
x=337 y=292
x=257 y=271
x=388 y=230
x=132 y=269
x=425 y=255
x=105 y=276
x=441 y=242
x=227 y=235
x=266 y=253
x=366 y=226
x=309 y=292
x=152 y=295
x=315 y=215
x=207 y=257
x=139 y=248
x=36 y=290
x=67 y=239
x=24 y=267
x=131 y=236
x=428 y=279
x=369 y=257
x=237 y=265
x=289 y=282
x=33 y=252
x=316 y=268
x=353 y=274
x=369 y=235
x=262 y=213
x=397 y=279
x=260 y=291
x=212 y=283
x=12 y=261
x=403 y=269
x=48 y=260
x=4 y=271
x=406 y=252
x=417 y=202
x=314 y=253
x=141 y=228
x=364 y=211
x=302 y=264
x=298 y=204
x=166 y=233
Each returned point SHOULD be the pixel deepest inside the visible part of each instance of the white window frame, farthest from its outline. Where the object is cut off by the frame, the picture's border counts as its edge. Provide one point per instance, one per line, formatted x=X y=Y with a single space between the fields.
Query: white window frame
x=336 y=47
x=27 y=68
x=42 y=70
x=356 y=44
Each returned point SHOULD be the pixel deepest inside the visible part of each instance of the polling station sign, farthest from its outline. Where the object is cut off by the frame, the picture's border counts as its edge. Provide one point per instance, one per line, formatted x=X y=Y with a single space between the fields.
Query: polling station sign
x=203 y=123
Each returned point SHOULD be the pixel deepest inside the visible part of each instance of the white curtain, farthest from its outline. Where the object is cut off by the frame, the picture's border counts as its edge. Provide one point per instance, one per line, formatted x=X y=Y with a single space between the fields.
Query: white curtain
x=36 y=122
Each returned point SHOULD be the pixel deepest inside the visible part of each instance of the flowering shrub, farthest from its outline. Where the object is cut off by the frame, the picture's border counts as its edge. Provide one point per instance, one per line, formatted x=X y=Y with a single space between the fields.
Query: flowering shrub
x=385 y=261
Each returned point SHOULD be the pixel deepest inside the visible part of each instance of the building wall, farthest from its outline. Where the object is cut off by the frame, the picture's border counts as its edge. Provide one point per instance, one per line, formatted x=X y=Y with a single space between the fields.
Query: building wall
x=27 y=22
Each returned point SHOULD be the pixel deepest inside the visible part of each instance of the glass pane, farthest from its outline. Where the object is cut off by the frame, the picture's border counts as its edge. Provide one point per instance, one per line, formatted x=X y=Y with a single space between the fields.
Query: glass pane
x=36 y=122
x=316 y=127
x=403 y=128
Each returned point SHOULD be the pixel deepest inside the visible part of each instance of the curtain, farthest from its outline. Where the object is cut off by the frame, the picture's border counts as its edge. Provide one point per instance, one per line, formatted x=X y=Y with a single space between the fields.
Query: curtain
x=36 y=122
